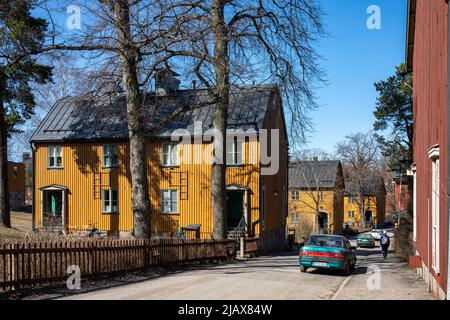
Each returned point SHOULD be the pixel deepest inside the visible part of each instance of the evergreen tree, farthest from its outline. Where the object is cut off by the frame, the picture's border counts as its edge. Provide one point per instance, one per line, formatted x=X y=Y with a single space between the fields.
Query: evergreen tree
x=21 y=38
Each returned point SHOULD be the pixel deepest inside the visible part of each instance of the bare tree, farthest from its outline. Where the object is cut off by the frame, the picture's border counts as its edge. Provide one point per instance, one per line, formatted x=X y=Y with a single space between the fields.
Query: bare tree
x=231 y=43
x=122 y=43
x=361 y=156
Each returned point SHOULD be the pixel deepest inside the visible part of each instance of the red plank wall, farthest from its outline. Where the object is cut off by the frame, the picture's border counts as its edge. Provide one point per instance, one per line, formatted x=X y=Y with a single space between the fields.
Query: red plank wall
x=430 y=113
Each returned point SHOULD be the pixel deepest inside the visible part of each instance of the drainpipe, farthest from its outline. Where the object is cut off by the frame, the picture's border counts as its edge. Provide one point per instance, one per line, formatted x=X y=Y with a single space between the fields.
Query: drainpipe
x=448 y=162
x=33 y=198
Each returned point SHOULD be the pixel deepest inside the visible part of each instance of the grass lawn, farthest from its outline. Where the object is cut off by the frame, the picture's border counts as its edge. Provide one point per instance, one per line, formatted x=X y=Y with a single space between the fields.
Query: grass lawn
x=21 y=227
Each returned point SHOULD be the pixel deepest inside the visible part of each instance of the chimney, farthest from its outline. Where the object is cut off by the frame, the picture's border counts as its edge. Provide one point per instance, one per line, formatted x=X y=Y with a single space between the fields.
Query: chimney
x=26 y=156
x=166 y=81
x=194 y=84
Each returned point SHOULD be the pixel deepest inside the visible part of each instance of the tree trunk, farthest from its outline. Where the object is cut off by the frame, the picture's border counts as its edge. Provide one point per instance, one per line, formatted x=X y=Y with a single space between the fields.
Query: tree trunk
x=222 y=72
x=128 y=56
x=5 y=218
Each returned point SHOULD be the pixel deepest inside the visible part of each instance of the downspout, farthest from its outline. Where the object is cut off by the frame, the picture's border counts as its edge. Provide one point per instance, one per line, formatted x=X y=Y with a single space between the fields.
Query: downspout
x=447 y=296
x=33 y=198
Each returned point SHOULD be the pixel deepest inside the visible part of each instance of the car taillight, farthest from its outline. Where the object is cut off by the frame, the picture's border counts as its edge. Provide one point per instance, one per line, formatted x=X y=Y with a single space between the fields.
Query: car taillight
x=303 y=253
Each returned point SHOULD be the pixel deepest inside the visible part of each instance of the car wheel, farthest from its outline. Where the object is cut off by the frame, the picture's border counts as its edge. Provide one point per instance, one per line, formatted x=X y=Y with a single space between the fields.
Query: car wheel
x=303 y=268
x=346 y=271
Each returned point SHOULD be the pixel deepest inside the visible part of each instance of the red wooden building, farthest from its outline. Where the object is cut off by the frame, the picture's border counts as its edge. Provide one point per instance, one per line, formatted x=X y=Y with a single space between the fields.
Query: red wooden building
x=397 y=194
x=427 y=57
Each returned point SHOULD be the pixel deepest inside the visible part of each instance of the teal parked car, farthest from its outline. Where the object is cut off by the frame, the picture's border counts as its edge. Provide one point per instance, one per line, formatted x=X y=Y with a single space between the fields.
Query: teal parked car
x=328 y=252
x=365 y=240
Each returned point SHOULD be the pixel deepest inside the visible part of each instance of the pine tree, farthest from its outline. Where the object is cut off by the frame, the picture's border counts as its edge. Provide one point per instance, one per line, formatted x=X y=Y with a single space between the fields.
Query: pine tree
x=21 y=38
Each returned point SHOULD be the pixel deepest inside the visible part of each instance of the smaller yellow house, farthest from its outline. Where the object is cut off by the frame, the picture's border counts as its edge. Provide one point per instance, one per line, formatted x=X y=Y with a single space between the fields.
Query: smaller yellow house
x=315 y=203
x=374 y=194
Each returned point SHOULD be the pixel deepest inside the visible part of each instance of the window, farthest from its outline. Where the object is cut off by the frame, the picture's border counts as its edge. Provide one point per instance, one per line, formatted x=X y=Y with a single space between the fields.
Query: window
x=295 y=217
x=234 y=151
x=109 y=201
x=320 y=196
x=169 y=201
x=295 y=195
x=169 y=154
x=110 y=155
x=351 y=214
x=351 y=200
x=434 y=155
x=54 y=157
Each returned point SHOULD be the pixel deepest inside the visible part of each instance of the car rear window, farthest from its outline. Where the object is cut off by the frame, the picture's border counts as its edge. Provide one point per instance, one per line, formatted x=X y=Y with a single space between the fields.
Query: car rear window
x=365 y=236
x=325 y=241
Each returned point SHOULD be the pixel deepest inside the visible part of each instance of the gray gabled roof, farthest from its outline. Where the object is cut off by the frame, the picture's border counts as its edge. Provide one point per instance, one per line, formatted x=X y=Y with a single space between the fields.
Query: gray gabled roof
x=371 y=186
x=88 y=118
x=310 y=174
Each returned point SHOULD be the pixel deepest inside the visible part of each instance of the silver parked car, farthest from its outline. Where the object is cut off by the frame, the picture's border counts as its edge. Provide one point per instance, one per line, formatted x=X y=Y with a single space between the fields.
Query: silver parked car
x=376 y=234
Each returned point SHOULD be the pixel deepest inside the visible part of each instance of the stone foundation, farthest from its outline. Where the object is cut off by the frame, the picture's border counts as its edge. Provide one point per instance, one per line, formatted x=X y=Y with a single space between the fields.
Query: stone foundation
x=431 y=281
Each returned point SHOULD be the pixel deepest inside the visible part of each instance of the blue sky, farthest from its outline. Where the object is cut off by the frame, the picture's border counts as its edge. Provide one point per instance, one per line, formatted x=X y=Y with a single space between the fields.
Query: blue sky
x=355 y=58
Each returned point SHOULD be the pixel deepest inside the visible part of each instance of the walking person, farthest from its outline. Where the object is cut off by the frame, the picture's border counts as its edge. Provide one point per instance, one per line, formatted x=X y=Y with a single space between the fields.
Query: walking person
x=385 y=242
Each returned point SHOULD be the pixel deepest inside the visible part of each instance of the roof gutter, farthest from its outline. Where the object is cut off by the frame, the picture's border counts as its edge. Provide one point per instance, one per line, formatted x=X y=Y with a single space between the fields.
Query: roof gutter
x=447 y=296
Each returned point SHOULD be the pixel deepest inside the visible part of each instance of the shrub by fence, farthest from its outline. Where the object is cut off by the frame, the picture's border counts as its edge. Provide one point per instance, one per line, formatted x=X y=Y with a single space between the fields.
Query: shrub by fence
x=38 y=263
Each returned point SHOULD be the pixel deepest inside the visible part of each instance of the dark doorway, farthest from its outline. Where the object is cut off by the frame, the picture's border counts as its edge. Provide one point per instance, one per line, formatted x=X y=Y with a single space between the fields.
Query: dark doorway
x=323 y=219
x=235 y=203
x=53 y=209
x=368 y=216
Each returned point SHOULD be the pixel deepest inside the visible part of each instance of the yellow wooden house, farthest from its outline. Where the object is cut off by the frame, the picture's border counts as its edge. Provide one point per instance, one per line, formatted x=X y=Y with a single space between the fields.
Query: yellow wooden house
x=316 y=190
x=81 y=164
x=374 y=204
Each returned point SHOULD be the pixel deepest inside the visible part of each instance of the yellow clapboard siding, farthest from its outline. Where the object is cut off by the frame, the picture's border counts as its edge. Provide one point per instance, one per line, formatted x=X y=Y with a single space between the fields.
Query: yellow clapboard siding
x=81 y=160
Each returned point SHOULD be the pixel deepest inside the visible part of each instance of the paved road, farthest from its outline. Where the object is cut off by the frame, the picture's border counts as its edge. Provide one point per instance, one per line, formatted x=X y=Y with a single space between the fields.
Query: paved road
x=278 y=277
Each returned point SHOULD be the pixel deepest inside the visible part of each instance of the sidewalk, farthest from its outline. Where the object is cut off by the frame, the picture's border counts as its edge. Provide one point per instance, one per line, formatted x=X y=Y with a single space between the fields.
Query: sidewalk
x=376 y=279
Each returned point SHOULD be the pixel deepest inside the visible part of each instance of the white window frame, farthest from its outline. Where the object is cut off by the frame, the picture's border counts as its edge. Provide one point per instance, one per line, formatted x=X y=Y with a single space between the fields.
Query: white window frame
x=435 y=196
x=234 y=151
x=169 y=154
x=351 y=214
x=110 y=152
x=351 y=200
x=171 y=199
x=413 y=169
x=296 y=219
x=295 y=195
x=54 y=152
x=109 y=204
x=435 y=214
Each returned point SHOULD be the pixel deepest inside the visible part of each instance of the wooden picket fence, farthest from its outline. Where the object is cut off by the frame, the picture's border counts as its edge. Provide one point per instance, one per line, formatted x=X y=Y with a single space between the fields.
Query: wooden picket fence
x=39 y=263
